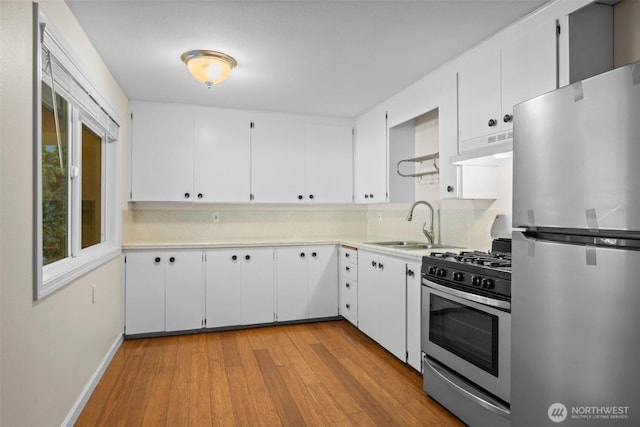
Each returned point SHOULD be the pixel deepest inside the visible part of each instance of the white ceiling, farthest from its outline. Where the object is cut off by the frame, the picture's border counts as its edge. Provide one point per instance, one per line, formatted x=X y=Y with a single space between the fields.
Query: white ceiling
x=336 y=58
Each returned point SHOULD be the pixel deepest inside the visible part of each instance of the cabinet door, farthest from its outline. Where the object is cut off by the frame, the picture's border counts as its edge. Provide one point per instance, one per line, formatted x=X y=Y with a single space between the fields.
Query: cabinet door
x=323 y=281
x=224 y=287
x=292 y=273
x=382 y=301
x=144 y=293
x=222 y=160
x=370 y=161
x=329 y=163
x=368 y=288
x=257 y=286
x=414 y=355
x=278 y=161
x=161 y=153
x=479 y=94
x=183 y=280
x=528 y=67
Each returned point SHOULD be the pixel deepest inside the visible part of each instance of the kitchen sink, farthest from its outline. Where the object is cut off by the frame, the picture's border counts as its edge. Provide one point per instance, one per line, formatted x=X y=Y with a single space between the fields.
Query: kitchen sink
x=409 y=245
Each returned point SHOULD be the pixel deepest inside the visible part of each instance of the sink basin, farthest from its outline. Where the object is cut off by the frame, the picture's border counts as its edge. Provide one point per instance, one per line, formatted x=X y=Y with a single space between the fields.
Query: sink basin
x=409 y=245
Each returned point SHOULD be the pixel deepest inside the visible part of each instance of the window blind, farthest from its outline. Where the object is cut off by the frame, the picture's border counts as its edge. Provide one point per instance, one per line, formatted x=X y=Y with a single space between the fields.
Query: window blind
x=55 y=62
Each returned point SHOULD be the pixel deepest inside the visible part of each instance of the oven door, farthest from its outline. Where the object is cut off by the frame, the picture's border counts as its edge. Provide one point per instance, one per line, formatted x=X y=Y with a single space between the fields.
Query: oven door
x=470 y=338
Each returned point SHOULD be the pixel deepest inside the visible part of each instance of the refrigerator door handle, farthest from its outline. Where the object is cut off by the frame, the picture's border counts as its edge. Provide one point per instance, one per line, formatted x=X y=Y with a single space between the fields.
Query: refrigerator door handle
x=493 y=407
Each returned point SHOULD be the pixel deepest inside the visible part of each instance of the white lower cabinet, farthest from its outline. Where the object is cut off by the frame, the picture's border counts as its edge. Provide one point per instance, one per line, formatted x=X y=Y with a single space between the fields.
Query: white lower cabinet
x=163 y=291
x=414 y=356
x=382 y=300
x=239 y=287
x=307 y=282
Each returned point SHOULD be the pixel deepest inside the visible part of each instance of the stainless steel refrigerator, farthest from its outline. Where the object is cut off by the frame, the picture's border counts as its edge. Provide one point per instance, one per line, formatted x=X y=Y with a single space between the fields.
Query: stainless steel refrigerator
x=576 y=261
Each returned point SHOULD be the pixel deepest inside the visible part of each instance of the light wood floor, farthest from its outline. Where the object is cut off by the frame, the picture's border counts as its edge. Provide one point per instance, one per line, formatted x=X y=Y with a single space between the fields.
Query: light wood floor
x=317 y=374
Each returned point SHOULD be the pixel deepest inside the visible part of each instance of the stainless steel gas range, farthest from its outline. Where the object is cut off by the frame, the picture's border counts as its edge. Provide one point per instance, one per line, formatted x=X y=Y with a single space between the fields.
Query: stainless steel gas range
x=466 y=334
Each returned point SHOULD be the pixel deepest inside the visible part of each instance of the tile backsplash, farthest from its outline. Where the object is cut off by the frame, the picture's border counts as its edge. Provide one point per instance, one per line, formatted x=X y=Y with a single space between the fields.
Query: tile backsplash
x=250 y=224
x=469 y=228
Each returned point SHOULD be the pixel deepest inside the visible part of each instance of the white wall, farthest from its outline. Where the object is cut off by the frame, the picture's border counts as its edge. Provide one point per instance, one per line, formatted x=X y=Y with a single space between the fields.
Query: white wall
x=50 y=349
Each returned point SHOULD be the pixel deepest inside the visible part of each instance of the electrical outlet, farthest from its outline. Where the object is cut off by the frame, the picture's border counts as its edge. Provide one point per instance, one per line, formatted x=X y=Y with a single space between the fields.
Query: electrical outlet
x=93 y=294
x=215 y=217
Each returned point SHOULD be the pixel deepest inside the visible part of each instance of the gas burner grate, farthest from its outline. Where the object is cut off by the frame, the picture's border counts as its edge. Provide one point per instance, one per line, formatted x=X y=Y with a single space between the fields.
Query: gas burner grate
x=500 y=260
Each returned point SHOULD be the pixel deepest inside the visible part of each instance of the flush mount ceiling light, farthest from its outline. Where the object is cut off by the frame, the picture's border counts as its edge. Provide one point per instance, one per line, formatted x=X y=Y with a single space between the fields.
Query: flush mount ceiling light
x=208 y=66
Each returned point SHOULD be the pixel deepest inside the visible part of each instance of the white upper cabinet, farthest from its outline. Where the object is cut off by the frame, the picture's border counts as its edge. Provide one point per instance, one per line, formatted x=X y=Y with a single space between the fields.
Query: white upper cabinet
x=370 y=158
x=195 y=154
x=528 y=67
x=161 y=153
x=329 y=163
x=296 y=162
x=496 y=76
x=479 y=94
x=278 y=161
x=222 y=166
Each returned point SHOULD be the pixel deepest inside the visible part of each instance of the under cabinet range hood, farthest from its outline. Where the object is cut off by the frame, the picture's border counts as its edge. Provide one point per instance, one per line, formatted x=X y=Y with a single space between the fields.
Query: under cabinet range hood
x=485 y=155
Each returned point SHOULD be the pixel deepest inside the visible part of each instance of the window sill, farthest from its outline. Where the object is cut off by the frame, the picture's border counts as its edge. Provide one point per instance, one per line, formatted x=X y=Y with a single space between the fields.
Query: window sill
x=63 y=272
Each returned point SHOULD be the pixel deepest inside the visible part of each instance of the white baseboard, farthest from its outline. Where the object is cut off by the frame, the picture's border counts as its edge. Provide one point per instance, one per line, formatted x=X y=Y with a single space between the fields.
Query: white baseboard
x=77 y=408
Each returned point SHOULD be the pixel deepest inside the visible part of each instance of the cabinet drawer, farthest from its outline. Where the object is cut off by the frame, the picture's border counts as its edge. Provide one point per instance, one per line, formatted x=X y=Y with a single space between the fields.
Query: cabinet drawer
x=348 y=300
x=348 y=254
x=349 y=270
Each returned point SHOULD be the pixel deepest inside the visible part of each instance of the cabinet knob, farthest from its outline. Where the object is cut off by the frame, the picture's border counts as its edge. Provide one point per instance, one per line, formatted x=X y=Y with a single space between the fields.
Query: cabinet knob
x=311 y=196
x=374 y=264
x=234 y=257
x=507 y=118
x=366 y=196
x=247 y=257
x=492 y=123
x=346 y=255
x=172 y=259
x=299 y=196
x=449 y=188
x=348 y=268
x=157 y=259
x=380 y=266
x=314 y=254
x=302 y=255
x=410 y=273
x=348 y=285
x=187 y=195
x=200 y=195
x=370 y=196
x=348 y=306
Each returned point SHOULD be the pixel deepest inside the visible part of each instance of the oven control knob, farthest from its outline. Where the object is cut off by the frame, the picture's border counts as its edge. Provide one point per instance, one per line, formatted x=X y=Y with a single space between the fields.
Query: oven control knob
x=432 y=271
x=441 y=272
x=458 y=277
x=488 y=284
x=476 y=281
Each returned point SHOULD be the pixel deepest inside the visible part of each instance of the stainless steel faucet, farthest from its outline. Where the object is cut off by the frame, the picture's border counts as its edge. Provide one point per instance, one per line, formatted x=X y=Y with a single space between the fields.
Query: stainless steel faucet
x=427 y=233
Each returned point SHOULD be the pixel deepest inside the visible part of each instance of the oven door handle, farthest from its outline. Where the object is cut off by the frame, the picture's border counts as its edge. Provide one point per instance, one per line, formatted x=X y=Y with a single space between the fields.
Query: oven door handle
x=491 y=302
x=500 y=410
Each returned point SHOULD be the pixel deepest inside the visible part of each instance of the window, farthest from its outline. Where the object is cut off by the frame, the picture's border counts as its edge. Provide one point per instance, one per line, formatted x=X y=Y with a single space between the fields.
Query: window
x=92 y=147
x=55 y=190
x=76 y=225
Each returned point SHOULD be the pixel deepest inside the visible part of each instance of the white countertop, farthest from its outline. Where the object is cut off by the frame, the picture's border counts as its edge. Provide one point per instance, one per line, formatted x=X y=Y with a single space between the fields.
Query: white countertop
x=357 y=242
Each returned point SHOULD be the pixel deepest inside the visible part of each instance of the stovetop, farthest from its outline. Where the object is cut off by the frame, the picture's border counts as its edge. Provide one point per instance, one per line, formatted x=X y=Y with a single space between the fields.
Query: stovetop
x=493 y=260
x=482 y=273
